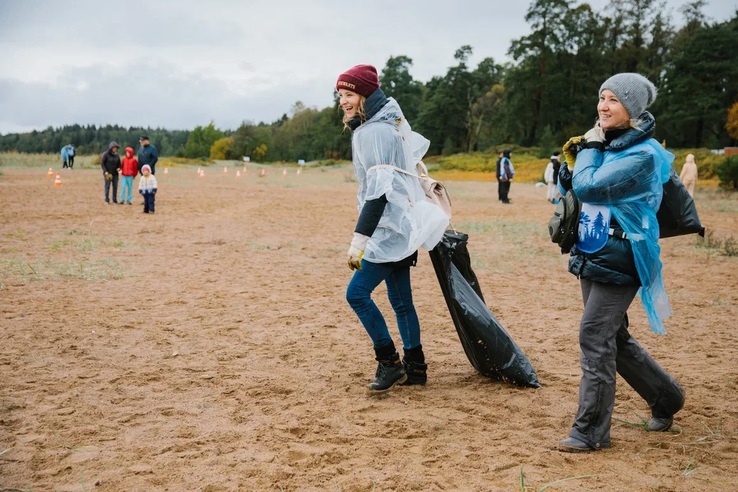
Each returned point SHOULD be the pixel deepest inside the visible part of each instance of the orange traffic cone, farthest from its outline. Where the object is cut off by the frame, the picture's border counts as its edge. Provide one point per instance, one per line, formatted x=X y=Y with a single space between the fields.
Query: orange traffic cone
x=199 y=170
x=202 y=173
x=244 y=169
x=262 y=173
x=50 y=173
x=284 y=172
x=166 y=170
x=238 y=174
x=58 y=180
x=298 y=171
x=225 y=170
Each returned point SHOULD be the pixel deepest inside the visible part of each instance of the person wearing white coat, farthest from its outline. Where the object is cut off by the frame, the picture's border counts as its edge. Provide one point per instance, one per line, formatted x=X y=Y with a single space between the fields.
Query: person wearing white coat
x=394 y=221
x=551 y=177
x=689 y=174
x=147 y=186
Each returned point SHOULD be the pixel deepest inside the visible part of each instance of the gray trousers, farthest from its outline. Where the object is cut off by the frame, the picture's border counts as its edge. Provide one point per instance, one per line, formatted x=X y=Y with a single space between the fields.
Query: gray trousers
x=607 y=347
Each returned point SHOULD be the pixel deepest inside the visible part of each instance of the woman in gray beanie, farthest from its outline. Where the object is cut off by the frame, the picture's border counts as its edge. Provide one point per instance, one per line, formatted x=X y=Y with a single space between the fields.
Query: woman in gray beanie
x=617 y=171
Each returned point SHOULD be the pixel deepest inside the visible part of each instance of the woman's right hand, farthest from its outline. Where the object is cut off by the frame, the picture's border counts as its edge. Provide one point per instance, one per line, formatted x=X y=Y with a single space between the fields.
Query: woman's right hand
x=570 y=150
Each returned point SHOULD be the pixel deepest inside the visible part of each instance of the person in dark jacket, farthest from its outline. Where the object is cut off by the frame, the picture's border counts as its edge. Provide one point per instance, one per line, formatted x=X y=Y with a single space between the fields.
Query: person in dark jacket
x=618 y=171
x=497 y=176
x=70 y=156
x=394 y=221
x=147 y=155
x=110 y=164
x=505 y=173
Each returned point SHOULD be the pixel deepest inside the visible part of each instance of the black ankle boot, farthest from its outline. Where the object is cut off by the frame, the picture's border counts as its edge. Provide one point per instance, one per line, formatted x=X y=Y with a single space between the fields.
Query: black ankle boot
x=416 y=372
x=390 y=371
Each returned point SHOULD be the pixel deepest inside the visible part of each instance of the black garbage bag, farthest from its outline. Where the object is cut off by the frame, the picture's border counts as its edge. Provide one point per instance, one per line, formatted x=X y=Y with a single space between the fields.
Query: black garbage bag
x=677 y=214
x=489 y=348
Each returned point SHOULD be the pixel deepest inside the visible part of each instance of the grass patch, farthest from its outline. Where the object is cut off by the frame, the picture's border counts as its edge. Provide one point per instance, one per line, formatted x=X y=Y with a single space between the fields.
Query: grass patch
x=713 y=435
x=529 y=168
x=525 y=488
x=689 y=469
x=50 y=269
x=18 y=159
x=725 y=246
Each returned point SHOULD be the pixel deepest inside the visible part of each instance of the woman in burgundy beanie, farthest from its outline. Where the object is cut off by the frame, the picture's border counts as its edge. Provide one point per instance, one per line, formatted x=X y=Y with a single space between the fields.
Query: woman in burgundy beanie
x=394 y=221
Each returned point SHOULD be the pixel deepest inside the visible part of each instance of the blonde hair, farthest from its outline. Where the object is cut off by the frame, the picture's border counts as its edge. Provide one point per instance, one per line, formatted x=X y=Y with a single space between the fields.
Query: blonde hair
x=361 y=111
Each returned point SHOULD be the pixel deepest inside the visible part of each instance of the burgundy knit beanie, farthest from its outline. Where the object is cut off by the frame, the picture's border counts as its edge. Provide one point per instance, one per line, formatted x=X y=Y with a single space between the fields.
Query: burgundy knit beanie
x=361 y=79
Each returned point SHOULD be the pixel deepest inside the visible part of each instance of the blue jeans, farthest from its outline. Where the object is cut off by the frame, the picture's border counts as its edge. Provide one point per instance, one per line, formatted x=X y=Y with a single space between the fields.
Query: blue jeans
x=127 y=183
x=400 y=295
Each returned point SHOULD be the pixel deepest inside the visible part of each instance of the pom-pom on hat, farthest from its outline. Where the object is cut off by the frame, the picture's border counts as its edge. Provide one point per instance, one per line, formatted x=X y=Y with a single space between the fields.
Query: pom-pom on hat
x=361 y=79
x=634 y=91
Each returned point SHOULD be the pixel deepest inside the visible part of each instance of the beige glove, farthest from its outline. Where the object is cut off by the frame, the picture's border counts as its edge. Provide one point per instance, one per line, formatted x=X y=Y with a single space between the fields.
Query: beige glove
x=569 y=154
x=356 y=251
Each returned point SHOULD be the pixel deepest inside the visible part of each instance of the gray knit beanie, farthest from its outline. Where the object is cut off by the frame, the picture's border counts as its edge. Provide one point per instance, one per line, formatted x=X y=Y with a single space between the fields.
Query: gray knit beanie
x=634 y=90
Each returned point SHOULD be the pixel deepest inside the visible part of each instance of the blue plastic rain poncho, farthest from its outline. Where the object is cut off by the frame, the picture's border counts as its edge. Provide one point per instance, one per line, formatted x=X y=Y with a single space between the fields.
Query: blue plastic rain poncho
x=409 y=221
x=64 y=154
x=627 y=180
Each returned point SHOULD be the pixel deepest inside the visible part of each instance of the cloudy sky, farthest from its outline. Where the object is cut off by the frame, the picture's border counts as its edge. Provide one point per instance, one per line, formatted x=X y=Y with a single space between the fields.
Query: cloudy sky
x=177 y=64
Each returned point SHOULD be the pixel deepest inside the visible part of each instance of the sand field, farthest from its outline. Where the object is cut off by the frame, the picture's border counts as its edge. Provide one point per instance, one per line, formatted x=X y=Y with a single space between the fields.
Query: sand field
x=210 y=347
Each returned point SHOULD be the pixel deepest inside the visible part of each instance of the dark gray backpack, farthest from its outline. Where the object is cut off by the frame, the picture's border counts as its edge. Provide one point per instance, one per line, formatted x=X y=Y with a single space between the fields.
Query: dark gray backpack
x=564 y=225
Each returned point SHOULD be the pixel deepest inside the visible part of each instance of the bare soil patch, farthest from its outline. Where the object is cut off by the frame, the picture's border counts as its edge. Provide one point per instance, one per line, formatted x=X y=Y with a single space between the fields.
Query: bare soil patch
x=210 y=347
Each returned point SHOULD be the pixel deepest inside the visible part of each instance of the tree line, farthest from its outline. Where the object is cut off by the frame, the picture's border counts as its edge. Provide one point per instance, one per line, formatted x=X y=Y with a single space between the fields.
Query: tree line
x=546 y=94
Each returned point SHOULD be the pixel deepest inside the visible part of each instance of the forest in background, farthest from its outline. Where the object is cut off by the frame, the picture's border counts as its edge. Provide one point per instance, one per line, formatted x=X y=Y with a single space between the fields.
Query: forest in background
x=546 y=94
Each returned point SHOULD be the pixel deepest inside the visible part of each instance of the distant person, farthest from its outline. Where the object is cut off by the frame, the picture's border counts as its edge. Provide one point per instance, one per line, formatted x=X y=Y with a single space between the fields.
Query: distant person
x=617 y=179
x=505 y=175
x=395 y=220
x=70 y=156
x=497 y=176
x=129 y=171
x=147 y=187
x=689 y=174
x=147 y=155
x=110 y=164
x=65 y=157
x=552 y=178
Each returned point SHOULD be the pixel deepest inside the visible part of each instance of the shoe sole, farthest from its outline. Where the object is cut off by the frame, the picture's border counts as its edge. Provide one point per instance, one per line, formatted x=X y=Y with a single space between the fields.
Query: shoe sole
x=572 y=449
x=374 y=392
x=665 y=429
x=410 y=382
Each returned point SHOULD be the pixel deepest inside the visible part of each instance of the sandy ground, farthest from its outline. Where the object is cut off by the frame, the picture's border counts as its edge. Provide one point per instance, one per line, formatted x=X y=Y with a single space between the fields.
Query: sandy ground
x=210 y=347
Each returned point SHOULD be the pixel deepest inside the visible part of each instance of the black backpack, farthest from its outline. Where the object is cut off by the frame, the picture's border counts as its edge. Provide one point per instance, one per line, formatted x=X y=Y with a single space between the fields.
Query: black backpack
x=564 y=225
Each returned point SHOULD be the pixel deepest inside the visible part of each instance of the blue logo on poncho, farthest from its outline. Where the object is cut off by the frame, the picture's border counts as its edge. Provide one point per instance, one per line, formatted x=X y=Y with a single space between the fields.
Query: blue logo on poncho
x=594 y=228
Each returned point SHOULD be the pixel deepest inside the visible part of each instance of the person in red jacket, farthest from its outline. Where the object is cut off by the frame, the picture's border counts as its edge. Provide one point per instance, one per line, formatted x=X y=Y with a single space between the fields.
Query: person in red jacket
x=129 y=171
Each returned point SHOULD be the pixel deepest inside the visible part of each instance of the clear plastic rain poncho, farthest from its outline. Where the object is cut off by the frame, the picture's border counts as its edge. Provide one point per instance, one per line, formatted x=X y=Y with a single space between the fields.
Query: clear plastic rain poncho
x=409 y=221
x=629 y=181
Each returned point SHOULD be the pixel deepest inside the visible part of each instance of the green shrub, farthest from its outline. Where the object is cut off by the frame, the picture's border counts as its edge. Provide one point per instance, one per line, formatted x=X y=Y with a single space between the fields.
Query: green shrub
x=727 y=171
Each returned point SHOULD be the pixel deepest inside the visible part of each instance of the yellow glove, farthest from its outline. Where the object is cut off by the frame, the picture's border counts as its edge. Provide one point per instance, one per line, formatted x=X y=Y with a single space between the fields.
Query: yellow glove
x=569 y=153
x=354 y=258
x=356 y=251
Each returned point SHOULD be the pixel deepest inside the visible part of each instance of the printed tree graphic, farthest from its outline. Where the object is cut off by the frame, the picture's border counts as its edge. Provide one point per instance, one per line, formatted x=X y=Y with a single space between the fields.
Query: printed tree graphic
x=598 y=226
x=584 y=221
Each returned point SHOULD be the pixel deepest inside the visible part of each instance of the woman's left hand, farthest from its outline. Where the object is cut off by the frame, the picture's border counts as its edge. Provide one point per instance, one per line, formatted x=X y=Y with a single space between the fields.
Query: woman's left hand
x=356 y=251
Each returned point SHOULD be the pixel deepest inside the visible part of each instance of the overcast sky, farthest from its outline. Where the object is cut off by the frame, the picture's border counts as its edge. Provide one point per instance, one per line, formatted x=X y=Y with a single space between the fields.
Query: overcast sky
x=178 y=64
